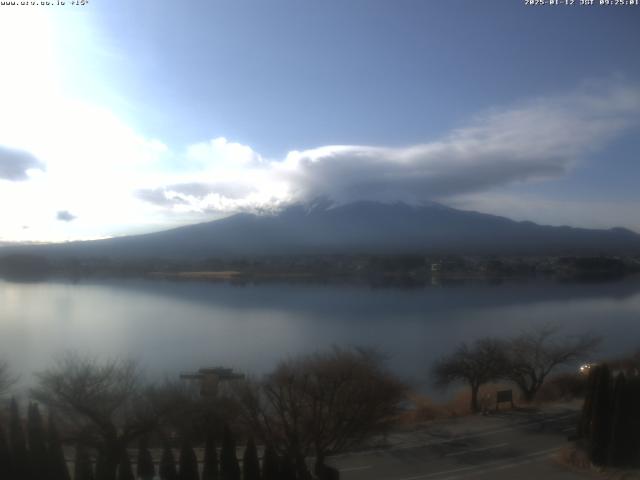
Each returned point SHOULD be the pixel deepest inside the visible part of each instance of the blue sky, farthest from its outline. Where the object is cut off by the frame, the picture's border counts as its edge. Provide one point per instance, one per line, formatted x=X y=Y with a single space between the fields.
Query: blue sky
x=122 y=117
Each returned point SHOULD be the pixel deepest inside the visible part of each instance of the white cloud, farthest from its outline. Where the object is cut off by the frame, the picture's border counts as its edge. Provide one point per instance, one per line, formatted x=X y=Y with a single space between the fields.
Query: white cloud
x=222 y=154
x=540 y=139
x=88 y=159
x=536 y=140
x=117 y=181
x=74 y=155
x=90 y=163
x=15 y=165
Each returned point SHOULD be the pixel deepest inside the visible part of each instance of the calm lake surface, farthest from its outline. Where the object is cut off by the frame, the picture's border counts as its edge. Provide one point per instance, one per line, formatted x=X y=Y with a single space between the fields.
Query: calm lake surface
x=176 y=326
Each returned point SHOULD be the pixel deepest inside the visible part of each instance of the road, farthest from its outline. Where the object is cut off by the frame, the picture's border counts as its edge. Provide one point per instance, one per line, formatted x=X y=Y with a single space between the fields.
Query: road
x=512 y=445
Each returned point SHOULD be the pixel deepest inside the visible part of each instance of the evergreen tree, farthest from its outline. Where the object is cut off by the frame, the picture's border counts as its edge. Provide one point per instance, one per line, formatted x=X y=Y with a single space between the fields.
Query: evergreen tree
x=584 y=425
x=229 y=468
x=250 y=462
x=302 y=470
x=328 y=473
x=145 y=468
x=125 y=472
x=57 y=464
x=17 y=444
x=102 y=468
x=82 y=465
x=634 y=420
x=210 y=469
x=5 y=457
x=37 y=442
x=622 y=436
x=287 y=468
x=188 y=461
x=600 y=434
x=270 y=462
x=167 y=468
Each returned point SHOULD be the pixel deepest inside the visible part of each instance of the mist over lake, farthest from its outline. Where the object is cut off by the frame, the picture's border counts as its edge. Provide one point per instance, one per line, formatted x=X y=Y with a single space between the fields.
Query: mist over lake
x=180 y=326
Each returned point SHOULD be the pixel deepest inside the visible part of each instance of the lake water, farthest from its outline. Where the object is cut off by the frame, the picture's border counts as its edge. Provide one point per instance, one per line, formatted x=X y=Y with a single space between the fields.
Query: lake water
x=176 y=326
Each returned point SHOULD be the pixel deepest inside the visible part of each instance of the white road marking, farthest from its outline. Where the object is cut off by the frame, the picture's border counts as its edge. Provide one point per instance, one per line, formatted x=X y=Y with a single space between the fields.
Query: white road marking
x=454 y=439
x=504 y=466
x=476 y=450
x=569 y=429
x=353 y=469
x=487 y=467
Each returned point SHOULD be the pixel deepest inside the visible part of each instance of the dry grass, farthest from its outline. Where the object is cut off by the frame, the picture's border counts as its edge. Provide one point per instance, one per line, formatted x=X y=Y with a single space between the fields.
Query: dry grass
x=461 y=401
x=426 y=409
x=575 y=458
x=229 y=275
x=222 y=275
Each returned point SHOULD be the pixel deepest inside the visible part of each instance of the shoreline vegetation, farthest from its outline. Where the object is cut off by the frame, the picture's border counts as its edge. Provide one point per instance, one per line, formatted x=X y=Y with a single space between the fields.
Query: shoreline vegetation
x=391 y=270
x=190 y=422
x=228 y=275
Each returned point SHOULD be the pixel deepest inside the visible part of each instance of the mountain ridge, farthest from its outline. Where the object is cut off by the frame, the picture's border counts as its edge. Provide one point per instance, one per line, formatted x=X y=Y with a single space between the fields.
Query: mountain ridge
x=363 y=227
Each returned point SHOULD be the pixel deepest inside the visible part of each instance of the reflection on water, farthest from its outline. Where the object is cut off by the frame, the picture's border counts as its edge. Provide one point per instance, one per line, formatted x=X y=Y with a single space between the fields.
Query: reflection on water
x=174 y=326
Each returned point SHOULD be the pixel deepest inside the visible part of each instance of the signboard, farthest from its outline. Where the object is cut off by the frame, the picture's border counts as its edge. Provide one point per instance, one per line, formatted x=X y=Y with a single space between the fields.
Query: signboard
x=503 y=396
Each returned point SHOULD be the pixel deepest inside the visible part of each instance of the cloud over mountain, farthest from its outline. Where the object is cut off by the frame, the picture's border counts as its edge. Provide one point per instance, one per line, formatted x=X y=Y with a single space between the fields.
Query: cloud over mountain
x=108 y=172
x=538 y=139
x=190 y=193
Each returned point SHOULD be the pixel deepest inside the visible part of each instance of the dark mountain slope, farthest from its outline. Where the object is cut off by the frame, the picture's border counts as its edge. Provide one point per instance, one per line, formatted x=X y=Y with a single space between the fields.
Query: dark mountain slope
x=361 y=227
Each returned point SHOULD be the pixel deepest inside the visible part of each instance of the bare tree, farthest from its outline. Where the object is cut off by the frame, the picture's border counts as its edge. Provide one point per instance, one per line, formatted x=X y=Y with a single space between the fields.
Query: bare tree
x=483 y=361
x=322 y=403
x=105 y=404
x=535 y=354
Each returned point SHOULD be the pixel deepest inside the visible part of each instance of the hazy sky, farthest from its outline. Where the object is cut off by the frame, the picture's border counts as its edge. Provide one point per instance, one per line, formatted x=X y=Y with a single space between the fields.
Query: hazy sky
x=129 y=116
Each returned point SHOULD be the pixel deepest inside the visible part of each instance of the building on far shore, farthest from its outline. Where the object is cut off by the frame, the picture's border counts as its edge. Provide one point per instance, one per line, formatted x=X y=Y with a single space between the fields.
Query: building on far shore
x=210 y=378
